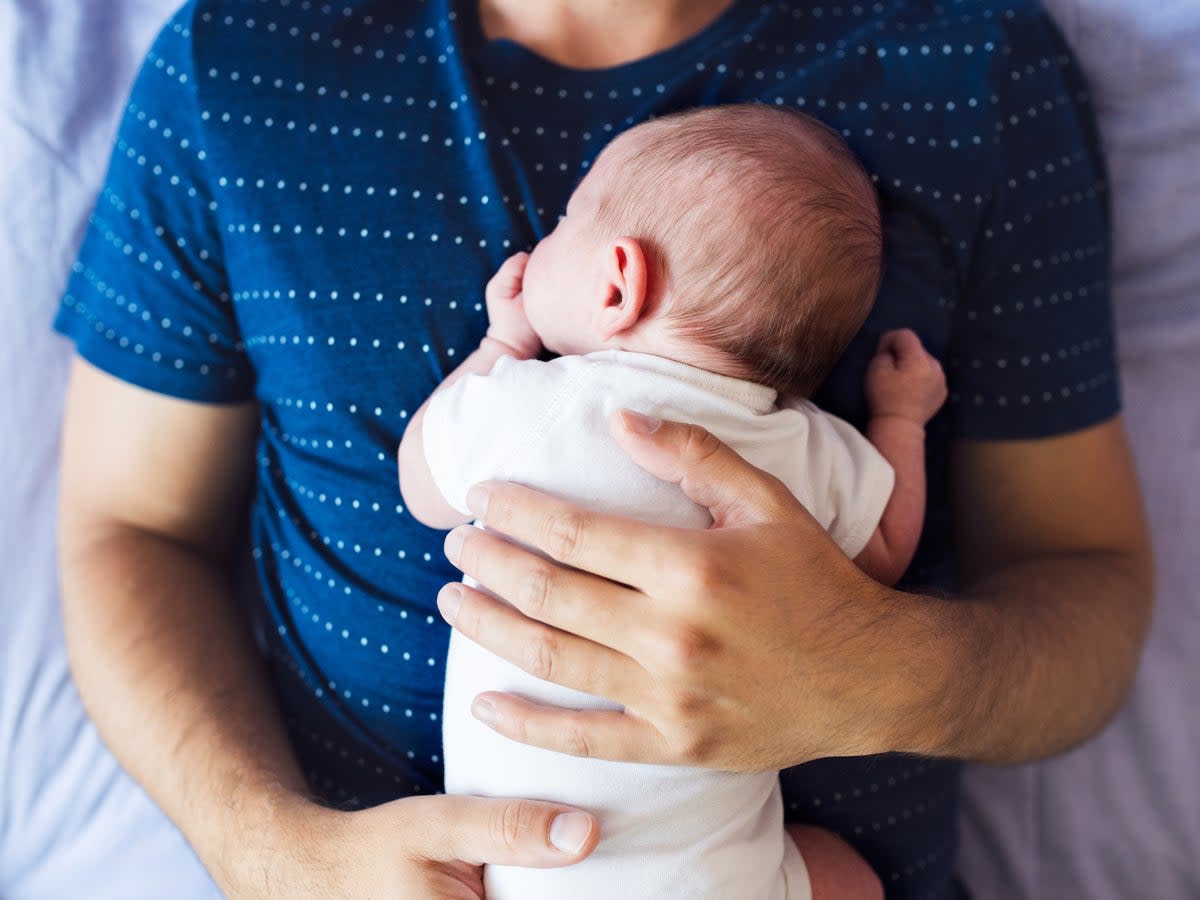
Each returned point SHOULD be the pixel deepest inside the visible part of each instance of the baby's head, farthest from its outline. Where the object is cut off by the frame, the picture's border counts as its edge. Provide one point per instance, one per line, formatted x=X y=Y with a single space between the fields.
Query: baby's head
x=743 y=239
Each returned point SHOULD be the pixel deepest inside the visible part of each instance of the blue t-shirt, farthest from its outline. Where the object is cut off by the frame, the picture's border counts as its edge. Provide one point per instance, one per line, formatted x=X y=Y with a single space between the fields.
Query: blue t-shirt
x=304 y=204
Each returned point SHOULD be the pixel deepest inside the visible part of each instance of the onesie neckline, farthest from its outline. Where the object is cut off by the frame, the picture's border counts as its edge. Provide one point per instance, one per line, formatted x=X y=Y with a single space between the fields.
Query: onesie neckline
x=758 y=397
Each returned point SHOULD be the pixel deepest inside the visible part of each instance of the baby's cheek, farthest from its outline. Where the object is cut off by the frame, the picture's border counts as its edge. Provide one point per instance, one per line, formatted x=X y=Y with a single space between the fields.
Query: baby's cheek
x=533 y=284
x=536 y=308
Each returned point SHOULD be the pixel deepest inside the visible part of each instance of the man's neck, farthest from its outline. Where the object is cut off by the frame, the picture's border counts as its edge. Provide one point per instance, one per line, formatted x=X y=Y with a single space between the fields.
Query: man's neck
x=597 y=34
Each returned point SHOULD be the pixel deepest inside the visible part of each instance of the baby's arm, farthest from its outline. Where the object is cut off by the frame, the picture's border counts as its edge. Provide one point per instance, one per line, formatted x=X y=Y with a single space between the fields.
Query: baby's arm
x=905 y=387
x=508 y=334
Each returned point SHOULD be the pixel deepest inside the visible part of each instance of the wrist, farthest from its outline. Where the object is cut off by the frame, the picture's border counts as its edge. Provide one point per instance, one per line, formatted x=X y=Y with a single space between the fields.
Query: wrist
x=269 y=849
x=501 y=347
x=931 y=668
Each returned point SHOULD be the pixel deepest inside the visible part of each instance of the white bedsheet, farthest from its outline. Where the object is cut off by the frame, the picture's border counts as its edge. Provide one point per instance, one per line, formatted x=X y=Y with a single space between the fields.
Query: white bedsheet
x=72 y=824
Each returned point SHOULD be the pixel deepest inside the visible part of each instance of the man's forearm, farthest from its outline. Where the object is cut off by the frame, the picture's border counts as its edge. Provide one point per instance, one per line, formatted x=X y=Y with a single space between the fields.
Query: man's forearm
x=168 y=670
x=1031 y=660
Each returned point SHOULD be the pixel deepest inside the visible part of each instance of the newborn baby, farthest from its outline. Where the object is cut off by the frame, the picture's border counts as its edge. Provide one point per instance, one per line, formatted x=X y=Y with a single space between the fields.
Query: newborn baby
x=711 y=268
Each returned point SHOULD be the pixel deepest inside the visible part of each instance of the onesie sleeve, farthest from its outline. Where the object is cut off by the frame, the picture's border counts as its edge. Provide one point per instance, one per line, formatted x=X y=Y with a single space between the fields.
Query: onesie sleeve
x=478 y=428
x=857 y=484
x=148 y=299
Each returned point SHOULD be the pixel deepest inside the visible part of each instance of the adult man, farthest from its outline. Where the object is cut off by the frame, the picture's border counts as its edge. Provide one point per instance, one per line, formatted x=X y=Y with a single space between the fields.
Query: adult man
x=295 y=239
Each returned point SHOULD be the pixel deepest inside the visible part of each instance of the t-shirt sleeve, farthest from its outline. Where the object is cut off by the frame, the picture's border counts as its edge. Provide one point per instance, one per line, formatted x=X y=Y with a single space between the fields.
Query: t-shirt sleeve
x=1033 y=352
x=476 y=429
x=147 y=300
x=858 y=481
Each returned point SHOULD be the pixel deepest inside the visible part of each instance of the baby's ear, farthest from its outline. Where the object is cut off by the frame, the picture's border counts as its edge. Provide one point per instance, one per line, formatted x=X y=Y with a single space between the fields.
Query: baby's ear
x=625 y=286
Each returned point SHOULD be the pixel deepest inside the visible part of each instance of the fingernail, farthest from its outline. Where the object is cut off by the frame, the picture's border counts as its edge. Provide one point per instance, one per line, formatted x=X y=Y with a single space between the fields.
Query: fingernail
x=477 y=500
x=638 y=423
x=449 y=599
x=484 y=711
x=569 y=831
x=453 y=545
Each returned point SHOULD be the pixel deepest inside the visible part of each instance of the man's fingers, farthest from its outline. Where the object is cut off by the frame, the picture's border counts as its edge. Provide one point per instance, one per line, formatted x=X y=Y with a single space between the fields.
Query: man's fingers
x=565 y=598
x=544 y=652
x=613 y=547
x=594 y=734
x=481 y=831
x=710 y=473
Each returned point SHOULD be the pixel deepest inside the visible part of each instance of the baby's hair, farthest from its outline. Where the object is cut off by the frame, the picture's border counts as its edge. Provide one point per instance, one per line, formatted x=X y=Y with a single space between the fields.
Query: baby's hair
x=765 y=230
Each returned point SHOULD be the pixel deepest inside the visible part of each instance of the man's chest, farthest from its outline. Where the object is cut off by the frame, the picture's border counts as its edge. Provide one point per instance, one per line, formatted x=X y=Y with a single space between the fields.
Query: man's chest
x=359 y=223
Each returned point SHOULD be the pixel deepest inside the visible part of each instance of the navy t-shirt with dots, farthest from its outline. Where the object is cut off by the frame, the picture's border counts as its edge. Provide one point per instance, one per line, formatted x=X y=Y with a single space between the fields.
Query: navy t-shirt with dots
x=305 y=201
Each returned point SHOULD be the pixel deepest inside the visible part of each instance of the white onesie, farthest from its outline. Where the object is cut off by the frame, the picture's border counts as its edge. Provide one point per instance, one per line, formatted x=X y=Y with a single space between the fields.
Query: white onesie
x=666 y=831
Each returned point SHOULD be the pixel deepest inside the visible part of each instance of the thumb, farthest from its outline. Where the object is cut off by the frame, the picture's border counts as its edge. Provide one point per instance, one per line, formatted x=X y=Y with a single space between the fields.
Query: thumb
x=531 y=833
x=709 y=472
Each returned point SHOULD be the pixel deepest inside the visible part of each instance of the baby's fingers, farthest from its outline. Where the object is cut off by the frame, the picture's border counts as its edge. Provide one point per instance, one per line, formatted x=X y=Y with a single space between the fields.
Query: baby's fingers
x=506 y=283
x=882 y=365
x=514 y=266
x=516 y=262
x=902 y=344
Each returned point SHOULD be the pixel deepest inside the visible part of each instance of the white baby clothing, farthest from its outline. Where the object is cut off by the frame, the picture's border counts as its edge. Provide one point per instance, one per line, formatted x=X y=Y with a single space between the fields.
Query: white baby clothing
x=666 y=831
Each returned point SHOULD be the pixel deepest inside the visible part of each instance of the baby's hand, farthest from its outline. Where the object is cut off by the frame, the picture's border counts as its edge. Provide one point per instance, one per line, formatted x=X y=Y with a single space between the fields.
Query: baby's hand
x=904 y=379
x=506 y=309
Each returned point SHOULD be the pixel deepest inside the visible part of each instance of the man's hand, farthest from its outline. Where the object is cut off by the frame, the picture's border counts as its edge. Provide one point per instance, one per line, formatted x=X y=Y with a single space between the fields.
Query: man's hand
x=694 y=632
x=415 y=848
x=506 y=309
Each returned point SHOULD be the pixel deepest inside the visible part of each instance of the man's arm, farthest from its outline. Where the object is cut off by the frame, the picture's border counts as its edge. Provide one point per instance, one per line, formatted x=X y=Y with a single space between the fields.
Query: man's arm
x=152 y=489
x=684 y=628
x=1057 y=581
x=166 y=666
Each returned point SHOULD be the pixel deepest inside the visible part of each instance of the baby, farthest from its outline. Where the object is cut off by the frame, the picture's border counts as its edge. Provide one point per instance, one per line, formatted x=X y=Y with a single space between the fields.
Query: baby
x=711 y=263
